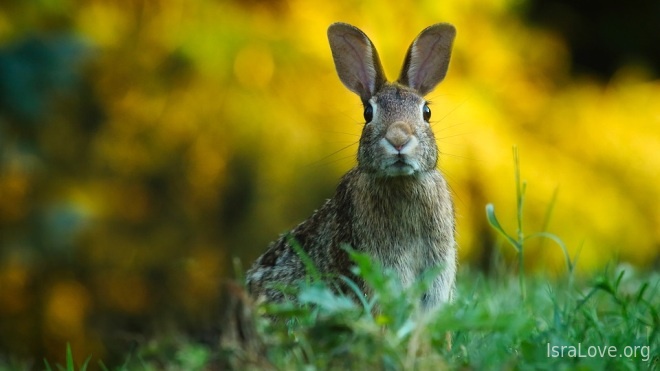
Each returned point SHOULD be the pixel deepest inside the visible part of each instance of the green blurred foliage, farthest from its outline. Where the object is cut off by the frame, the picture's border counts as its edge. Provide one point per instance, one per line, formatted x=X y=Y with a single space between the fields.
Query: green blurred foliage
x=144 y=144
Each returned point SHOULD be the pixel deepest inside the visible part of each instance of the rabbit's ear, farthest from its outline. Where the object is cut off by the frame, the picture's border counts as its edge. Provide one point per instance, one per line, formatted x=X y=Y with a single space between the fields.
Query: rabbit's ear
x=427 y=59
x=356 y=60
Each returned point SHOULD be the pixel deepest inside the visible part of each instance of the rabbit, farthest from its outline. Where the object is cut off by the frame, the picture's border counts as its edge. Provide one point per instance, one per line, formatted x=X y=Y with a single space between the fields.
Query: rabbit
x=395 y=205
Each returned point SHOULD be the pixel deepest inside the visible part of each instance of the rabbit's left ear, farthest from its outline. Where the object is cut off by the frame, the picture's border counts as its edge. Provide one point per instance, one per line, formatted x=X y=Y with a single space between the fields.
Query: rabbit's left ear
x=428 y=57
x=356 y=60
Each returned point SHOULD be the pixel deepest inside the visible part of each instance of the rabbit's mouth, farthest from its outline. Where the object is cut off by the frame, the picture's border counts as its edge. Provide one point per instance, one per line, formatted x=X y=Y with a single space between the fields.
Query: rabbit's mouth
x=399 y=167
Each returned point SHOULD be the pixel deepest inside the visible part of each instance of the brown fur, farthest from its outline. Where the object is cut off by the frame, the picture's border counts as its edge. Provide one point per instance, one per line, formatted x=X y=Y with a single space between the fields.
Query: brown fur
x=395 y=205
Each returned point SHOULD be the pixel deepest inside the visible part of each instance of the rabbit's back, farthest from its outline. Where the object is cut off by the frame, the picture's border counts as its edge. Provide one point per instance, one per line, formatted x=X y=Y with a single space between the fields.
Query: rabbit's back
x=319 y=237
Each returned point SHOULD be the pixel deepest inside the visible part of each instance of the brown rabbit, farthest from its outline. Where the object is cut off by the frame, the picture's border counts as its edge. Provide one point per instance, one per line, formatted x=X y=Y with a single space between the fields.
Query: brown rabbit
x=395 y=205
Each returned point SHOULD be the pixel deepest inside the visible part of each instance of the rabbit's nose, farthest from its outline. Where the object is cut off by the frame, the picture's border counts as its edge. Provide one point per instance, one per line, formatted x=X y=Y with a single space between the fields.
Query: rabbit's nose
x=398 y=135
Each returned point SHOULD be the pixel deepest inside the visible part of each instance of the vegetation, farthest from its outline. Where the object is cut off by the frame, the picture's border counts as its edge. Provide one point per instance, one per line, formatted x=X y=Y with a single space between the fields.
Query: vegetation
x=491 y=326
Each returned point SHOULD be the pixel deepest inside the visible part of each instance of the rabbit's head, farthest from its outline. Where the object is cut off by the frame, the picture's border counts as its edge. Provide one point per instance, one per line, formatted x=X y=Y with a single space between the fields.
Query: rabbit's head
x=397 y=139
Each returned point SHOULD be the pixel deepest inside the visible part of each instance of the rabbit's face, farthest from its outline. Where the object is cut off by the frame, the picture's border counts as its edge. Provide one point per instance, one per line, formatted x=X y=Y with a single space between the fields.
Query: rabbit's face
x=397 y=139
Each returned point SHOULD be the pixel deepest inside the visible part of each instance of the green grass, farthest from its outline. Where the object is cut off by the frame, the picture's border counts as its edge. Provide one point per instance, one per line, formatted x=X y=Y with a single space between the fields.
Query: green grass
x=518 y=240
x=70 y=366
x=503 y=321
x=491 y=325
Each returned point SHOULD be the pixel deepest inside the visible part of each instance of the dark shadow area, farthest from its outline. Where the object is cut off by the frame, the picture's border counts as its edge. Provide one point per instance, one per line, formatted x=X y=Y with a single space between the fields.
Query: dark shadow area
x=603 y=36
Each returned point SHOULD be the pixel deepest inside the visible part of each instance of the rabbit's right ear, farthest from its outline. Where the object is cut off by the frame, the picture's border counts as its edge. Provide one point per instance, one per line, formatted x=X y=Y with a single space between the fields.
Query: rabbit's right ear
x=428 y=57
x=356 y=60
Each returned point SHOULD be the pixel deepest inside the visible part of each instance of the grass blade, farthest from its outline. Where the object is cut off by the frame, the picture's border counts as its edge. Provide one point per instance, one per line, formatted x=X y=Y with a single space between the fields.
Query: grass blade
x=492 y=220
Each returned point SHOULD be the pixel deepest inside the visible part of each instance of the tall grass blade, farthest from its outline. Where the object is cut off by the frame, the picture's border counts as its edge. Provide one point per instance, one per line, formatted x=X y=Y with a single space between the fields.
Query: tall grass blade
x=492 y=220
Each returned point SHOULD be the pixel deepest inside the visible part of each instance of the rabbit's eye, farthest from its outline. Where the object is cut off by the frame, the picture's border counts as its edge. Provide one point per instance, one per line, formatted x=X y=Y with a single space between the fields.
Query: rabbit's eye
x=426 y=112
x=368 y=113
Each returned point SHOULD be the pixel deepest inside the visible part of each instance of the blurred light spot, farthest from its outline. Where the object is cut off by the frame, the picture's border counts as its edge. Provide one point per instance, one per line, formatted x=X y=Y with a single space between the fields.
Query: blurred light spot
x=14 y=189
x=66 y=309
x=207 y=166
x=104 y=23
x=14 y=279
x=5 y=26
x=64 y=222
x=254 y=67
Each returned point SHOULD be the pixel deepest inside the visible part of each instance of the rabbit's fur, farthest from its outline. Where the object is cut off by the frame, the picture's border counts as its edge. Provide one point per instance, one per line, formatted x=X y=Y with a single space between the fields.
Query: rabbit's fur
x=395 y=205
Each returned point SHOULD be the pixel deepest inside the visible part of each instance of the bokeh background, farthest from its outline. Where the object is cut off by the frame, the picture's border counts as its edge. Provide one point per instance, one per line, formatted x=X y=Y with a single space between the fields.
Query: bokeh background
x=149 y=148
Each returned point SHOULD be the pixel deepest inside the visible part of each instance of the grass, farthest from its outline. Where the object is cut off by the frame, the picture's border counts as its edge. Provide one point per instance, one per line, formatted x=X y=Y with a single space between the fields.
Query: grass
x=492 y=327
x=503 y=321
x=70 y=366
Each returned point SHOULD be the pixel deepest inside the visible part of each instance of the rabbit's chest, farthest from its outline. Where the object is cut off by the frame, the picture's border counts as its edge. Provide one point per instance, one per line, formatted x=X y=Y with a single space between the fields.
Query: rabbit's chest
x=408 y=243
x=409 y=257
x=406 y=224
